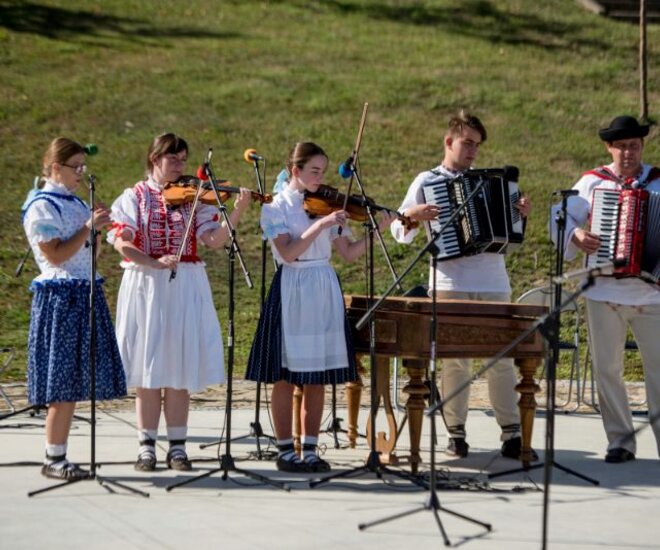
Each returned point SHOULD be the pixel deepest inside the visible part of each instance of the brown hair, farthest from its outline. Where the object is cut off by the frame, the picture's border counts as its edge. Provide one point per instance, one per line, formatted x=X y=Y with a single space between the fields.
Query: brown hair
x=300 y=155
x=59 y=151
x=164 y=144
x=463 y=119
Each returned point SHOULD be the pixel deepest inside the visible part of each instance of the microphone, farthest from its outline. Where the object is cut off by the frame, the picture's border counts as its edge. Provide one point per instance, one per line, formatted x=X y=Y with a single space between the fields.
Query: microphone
x=91 y=149
x=345 y=169
x=250 y=155
x=566 y=192
x=202 y=173
x=511 y=173
x=603 y=269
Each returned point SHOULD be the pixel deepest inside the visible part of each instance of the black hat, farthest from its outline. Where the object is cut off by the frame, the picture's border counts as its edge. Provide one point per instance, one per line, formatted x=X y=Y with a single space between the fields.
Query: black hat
x=623 y=127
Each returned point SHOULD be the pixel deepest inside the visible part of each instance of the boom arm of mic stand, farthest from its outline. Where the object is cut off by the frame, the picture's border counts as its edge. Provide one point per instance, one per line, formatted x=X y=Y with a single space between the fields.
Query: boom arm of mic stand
x=230 y=228
x=520 y=338
x=434 y=235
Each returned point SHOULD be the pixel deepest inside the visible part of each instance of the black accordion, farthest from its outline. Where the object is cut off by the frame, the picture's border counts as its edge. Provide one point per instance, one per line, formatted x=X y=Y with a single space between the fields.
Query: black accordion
x=489 y=221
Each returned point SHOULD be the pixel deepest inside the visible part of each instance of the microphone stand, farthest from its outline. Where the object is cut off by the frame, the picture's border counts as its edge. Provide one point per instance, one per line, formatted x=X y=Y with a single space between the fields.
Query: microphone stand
x=373 y=463
x=93 y=233
x=550 y=331
x=540 y=324
x=256 y=430
x=432 y=502
x=227 y=463
x=334 y=425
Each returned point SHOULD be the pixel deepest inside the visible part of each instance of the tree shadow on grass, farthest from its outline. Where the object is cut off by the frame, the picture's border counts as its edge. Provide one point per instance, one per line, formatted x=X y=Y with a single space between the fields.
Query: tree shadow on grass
x=476 y=18
x=89 y=26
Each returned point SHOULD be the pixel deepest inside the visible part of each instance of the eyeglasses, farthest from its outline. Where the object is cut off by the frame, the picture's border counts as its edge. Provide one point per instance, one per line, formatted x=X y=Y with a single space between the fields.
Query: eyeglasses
x=77 y=168
x=175 y=159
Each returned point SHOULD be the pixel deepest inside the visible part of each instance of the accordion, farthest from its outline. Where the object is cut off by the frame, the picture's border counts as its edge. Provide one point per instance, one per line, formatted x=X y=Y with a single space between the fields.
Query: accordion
x=487 y=223
x=628 y=224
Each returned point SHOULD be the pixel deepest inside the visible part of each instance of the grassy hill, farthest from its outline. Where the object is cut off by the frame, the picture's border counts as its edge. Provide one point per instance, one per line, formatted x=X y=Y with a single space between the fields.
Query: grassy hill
x=265 y=74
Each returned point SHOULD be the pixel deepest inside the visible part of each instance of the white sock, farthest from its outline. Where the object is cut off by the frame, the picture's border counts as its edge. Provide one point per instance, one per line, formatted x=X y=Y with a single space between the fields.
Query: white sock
x=176 y=435
x=55 y=454
x=147 y=439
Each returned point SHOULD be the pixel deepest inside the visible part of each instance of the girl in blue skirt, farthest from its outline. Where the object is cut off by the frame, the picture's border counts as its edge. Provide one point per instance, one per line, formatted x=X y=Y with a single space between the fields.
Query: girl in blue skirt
x=57 y=224
x=303 y=336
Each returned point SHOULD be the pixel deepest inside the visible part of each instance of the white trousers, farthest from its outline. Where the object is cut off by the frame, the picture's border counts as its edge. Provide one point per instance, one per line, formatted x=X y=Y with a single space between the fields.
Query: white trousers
x=501 y=379
x=608 y=326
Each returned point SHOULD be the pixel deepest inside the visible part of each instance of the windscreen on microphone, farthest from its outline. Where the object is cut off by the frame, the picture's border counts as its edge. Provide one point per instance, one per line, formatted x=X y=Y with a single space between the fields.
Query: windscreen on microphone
x=91 y=149
x=250 y=155
x=511 y=173
x=345 y=170
x=201 y=173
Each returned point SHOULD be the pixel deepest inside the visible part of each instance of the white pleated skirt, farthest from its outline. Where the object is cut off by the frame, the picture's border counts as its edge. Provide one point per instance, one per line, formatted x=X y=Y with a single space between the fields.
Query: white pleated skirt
x=168 y=331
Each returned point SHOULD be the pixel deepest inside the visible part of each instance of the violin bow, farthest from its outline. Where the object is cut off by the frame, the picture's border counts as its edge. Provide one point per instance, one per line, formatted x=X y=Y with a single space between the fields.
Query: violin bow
x=186 y=233
x=354 y=155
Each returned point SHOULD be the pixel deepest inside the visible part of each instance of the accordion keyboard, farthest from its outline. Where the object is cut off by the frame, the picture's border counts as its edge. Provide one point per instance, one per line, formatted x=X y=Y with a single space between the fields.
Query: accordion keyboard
x=604 y=220
x=447 y=242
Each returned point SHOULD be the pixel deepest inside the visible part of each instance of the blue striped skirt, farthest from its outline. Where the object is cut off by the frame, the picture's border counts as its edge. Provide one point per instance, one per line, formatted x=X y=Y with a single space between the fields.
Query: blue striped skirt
x=265 y=362
x=59 y=344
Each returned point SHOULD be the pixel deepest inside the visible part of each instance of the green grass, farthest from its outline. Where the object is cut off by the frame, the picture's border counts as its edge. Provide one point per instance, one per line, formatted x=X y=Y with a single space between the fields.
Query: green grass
x=265 y=74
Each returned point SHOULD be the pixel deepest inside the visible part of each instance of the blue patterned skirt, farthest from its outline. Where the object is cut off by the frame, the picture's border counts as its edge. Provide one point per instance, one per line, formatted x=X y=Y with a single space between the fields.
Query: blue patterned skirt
x=59 y=343
x=265 y=362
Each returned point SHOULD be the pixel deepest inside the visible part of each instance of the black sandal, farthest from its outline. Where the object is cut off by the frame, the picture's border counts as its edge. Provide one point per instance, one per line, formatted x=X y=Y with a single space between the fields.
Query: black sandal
x=146 y=462
x=178 y=460
x=316 y=464
x=295 y=465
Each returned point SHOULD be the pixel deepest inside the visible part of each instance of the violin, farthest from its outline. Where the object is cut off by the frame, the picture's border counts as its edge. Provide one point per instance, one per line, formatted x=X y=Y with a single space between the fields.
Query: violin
x=326 y=200
x=184 y=190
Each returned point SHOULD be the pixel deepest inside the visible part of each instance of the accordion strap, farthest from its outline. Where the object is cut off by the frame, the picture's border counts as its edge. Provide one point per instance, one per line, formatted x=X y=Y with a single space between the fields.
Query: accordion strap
x=605 y=173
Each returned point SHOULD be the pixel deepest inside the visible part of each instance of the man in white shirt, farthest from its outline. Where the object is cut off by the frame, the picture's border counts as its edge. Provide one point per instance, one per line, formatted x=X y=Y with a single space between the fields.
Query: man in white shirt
x=614 y=304
x=481 y=277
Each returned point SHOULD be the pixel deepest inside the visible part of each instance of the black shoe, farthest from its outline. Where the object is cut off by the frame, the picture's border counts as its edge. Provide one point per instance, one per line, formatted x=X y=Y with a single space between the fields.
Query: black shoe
x=512 y=448
x=295 y=465
x=66 y=472
x=316 y=464
x=619 y=454
x=457 y=447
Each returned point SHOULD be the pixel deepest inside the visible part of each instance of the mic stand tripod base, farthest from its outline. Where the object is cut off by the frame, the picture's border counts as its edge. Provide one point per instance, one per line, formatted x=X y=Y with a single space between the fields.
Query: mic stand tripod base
x=103 y=481
x=432 y=502
x=372 y=465
x=227 y=465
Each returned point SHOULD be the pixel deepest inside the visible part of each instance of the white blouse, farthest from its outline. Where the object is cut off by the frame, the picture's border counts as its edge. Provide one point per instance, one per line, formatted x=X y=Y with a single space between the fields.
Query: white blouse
x=286 y=214
x=56 y=213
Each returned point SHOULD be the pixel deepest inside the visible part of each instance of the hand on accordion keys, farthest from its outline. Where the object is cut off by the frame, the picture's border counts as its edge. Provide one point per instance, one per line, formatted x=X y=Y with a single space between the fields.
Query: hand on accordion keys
x=524 y=206
x=423 y=212
x=586 y=241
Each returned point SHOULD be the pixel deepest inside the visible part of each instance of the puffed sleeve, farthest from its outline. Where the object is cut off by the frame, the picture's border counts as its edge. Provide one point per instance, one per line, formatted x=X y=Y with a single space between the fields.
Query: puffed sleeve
x=124 y=214
x=207 y=219
x=43 y=222
x=273 y=221
x=413 y=197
